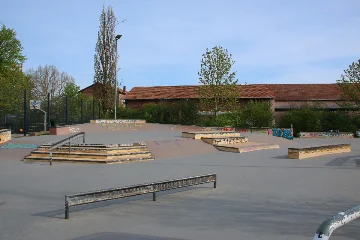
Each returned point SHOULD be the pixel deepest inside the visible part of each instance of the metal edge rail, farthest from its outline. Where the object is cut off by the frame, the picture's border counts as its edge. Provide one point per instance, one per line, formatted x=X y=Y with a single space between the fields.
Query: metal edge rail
x=64 y=141
x=130 y=191
x=331 y=224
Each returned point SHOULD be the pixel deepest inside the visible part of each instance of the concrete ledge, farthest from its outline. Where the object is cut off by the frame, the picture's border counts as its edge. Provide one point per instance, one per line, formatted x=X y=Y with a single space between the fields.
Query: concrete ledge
x=38 y=133
x=250 y=147
x=88 y=161
x=326 y=135
x=309 y=152
x=210 y=134
x=5 y=135
x=102 y=121
x=225 y=140
x=222 y=129
x=92 y=153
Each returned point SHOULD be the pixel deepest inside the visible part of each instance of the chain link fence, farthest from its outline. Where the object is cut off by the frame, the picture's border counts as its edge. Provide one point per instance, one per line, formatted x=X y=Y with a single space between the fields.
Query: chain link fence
x=56 y=111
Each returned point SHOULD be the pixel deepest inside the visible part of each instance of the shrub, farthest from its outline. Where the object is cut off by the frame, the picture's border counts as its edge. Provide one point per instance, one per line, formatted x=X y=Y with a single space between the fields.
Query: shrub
x=258 y=114
x=128 y=113
x=339 y=120
x=313 y=118
x=303 y=120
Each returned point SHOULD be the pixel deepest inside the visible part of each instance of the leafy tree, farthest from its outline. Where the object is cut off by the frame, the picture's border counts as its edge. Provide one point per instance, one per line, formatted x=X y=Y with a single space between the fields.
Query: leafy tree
x=258 y=114
x=218 y=91
x=349 y=84
x=305 y=118
x=49 y=79
x=11 y=56
x=12 y=80
x=105 y=59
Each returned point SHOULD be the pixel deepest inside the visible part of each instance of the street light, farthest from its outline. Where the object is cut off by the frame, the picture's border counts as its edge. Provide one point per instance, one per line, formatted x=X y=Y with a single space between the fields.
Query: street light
x=117 y=37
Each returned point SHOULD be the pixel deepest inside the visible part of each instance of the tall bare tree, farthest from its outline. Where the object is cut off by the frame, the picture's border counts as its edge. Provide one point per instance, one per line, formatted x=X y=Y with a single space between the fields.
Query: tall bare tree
x=105 y=58
x=48 y=79
x=218 y=91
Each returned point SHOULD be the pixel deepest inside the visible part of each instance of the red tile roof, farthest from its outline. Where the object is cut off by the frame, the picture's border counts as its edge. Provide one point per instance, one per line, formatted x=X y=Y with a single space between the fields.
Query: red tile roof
x=188 y=92
x=304 y=92
x=97 y=84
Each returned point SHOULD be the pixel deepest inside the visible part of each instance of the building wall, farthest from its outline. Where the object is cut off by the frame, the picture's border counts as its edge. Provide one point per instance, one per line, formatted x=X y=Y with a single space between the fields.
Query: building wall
x=279 y=104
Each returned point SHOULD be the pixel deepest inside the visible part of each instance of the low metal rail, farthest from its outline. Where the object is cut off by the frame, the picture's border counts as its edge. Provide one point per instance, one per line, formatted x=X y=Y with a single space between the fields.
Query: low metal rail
x=331 y=224
x=130 y=191
x=65 y=141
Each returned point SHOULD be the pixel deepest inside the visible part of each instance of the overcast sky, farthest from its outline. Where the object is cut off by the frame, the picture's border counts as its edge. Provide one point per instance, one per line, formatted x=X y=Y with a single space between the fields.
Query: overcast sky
x=287 y=41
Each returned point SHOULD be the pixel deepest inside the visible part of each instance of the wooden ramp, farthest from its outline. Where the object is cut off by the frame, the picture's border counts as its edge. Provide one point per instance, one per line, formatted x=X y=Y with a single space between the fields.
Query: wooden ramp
x=224 y=140
x=315 y=151
x=209 y=134
x=245 y=147
x=93 y=153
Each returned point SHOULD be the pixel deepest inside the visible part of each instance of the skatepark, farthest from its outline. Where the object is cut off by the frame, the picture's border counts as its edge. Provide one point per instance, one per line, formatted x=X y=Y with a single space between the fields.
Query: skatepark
x=260 y=194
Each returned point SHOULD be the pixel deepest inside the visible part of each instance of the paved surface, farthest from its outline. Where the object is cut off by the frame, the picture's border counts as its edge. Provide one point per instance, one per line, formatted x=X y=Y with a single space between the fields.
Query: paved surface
x=260 y=195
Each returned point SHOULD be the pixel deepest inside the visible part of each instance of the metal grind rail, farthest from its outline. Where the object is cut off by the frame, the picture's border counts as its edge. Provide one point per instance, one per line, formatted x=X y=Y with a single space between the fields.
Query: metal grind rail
x=331 y=224
x=65 y=141
x=130 y=191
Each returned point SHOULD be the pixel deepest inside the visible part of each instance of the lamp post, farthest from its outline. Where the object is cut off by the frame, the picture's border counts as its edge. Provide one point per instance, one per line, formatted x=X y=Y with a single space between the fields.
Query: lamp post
x=115 y=80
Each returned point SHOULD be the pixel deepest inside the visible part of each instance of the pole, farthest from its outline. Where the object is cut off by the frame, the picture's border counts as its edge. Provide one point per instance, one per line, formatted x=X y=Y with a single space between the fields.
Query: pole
x=25 y=113
x=48 y=113
x=81 y=110
x=99 y=109
x=93 y=108
x=66 y=208
x=67 y=111
x=115 y=80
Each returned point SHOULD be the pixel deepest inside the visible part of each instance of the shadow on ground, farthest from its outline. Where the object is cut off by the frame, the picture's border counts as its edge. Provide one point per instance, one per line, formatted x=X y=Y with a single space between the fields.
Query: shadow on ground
x=341 y=161
x=127 y=236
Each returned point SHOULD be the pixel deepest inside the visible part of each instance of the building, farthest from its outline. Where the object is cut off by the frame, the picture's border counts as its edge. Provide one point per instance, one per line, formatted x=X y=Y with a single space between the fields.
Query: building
x=89 y=91
x=281 y=96
x=139 y=96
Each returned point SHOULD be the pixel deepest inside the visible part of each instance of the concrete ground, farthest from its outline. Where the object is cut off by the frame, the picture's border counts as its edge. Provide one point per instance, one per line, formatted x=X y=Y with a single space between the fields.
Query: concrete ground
x=260 y=195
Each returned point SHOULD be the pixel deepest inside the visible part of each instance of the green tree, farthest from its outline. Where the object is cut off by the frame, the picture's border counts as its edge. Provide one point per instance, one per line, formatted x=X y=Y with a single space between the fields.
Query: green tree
x=258 y=114
x=349 y=84
x=11 y=56
x=218 y=92
x=12 y=80
x=307 y=117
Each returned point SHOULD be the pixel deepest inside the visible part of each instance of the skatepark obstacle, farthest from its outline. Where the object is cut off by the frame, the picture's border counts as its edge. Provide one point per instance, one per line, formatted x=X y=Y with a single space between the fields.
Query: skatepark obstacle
x=236 y=144
x=209 y=134
x=331 y=224
x=93 y=153
x=315 y=151
x=141 y=189
x=224 y=140
x=245 y=147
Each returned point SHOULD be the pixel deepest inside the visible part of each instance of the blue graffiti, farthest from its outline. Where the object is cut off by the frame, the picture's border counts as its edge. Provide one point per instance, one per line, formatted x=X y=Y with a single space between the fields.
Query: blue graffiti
x=283 y=132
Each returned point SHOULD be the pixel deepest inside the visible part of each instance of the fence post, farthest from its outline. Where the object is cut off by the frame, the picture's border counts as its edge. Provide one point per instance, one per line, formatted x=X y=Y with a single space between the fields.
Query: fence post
x=50 y=155
x=67 y=110
x=66 y=208
x=48 y=114
x=25 y=113
x=93 y=105
x=81 y=110
x=99 y=109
